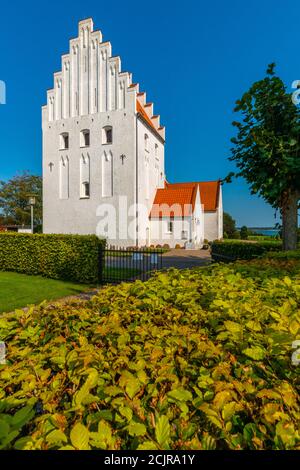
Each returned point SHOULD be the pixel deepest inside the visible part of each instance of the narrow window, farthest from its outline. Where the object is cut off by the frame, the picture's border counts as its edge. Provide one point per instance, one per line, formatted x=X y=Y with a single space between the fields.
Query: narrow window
x=64 y=141
x=107 y=174
x=64 y=178
x=85 y=138
x=156 y=150
x=84 y=176
x=147 y=142
x=170 y=226
x=85 y=189
x=184 y=235
x=107 y=136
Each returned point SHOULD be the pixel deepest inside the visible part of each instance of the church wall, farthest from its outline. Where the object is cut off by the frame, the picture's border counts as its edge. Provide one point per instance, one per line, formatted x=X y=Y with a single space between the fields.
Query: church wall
x=161 y=236
x=213 y=221
x=151 y=175
x=211 y=231
x=220 y=215
x=76 y=214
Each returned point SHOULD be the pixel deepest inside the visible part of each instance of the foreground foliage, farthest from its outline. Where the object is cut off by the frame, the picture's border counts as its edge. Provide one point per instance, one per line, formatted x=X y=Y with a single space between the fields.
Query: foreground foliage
x=195 y=359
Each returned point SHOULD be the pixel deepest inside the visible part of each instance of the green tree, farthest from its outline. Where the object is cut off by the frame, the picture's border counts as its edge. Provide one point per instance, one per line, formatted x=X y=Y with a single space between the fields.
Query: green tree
x=14 y=196
x=267 y=149
x=229 y=226
x=244 y=233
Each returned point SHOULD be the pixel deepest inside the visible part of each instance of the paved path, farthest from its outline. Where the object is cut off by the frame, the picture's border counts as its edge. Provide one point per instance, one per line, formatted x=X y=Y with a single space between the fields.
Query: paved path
x=182 y=259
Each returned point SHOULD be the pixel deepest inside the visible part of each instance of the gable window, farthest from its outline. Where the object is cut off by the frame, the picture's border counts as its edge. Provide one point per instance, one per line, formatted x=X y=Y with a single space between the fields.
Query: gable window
x=170 y=226
x=146 y=142
x=64 y=141
x=107 y=136
x=85 y=138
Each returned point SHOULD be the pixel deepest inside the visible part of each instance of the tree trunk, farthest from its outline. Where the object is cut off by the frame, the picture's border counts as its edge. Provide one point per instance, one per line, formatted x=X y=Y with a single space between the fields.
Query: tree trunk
x=290 y=220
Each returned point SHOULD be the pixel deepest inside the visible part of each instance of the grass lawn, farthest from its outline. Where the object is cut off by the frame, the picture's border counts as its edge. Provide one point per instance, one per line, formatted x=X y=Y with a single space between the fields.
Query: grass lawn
x=20 y=290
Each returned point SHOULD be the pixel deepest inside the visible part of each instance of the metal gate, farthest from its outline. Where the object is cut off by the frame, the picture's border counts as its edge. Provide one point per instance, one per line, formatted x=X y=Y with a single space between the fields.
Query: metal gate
x=118 y=264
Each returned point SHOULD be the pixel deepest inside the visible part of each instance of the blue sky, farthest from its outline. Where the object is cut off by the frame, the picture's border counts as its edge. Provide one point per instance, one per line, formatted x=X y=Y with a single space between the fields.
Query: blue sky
x=193 y=58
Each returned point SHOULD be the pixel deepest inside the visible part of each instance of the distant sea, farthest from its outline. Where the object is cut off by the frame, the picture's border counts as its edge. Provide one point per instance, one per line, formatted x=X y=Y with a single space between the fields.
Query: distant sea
x=265 y=231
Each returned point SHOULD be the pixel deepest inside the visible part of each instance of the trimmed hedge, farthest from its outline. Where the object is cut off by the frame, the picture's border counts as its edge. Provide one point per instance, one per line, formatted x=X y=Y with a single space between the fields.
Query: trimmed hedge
x=234 y=250
x=194 y=359
x=284 y=255
x=66 y=257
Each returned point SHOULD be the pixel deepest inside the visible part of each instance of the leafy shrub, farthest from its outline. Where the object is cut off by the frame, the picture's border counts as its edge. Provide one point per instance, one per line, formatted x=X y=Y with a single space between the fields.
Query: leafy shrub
x=230 y=250
x=244 y=233
x=262 y=238
x=284 y=255
x=69 y=257
x=196 y=359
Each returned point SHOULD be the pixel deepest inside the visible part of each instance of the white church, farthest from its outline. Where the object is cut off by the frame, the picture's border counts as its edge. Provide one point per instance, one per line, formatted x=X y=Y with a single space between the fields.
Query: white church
x=104 y=159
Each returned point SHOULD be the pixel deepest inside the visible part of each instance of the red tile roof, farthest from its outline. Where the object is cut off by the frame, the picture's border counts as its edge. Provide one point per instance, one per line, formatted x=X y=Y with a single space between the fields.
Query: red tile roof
x=182 y=195
x=209 y=192
x=170 y=202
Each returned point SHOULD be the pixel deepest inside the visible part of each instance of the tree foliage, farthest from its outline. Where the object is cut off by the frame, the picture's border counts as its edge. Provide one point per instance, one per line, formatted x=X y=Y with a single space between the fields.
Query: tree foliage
x=14 y=196
x=267 y=147
x=244 y=233
x=229 y=225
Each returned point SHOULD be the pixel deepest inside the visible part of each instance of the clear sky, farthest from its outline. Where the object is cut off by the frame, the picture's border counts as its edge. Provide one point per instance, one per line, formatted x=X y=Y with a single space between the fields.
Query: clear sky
x=193 y=58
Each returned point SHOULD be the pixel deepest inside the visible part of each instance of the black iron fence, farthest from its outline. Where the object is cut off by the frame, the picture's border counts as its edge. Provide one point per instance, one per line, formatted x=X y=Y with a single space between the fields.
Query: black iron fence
x=118 y=264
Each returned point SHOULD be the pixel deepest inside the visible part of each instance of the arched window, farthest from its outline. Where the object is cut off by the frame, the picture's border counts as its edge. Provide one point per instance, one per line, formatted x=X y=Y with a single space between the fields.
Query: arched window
x=85 y=138
x=84 y=177
x=107 y=174
x=64 y=178
x=64 y=141
x=107 y=136
x=147 y=142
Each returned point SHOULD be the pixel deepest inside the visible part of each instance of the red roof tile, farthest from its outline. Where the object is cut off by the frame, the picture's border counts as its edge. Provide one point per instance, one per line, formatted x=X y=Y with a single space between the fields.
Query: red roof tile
x=209 y=192
x=140 y=109
x=171 y=202
x=180 y=195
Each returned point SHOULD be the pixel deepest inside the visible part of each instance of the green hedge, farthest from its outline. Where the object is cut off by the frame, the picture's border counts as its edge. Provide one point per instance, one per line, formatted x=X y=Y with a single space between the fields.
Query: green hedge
x=284 y=255
x=67 y=257
x=233 y=250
